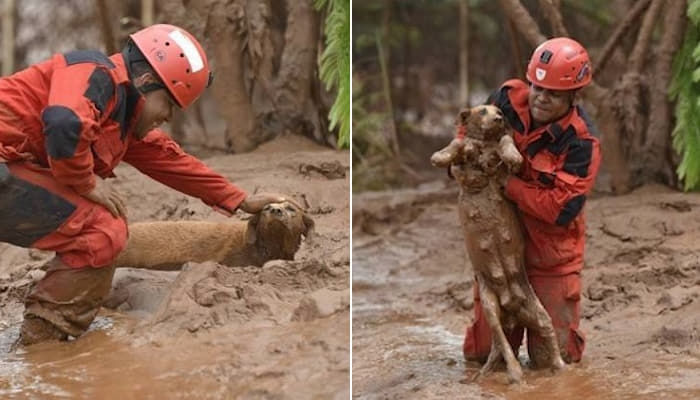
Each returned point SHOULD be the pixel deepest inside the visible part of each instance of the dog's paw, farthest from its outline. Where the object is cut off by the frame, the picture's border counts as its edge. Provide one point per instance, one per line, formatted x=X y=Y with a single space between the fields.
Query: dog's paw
x=442 y=158
x=513 y=160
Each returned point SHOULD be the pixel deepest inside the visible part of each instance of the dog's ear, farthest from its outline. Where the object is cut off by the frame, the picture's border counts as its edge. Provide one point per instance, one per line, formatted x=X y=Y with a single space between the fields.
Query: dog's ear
x=464 y=116
x=309 y=227
x=251 y=234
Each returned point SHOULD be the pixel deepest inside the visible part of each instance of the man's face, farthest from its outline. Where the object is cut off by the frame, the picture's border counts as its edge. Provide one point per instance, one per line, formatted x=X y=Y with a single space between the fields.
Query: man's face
x=547 y=105
x=157 y=108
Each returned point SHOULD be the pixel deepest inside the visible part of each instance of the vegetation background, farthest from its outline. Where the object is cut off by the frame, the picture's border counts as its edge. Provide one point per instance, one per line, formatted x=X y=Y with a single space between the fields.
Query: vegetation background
x=280 y=66
x=417 y=62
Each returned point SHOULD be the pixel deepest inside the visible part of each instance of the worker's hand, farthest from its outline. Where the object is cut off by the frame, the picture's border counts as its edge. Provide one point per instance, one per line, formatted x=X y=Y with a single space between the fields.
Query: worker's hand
x=105 y=194
x=254 y=203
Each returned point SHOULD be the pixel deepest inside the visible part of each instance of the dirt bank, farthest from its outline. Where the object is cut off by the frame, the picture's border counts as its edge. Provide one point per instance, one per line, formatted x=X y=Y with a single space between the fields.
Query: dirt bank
x=209 y=332
x=412 y=299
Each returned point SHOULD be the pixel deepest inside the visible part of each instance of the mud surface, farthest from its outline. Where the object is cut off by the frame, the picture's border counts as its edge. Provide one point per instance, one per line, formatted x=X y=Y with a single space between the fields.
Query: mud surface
x=281 y=331
x=412 y=300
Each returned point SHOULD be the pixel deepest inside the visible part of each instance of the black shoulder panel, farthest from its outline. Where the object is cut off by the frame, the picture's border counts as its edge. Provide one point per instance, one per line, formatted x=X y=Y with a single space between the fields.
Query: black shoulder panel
x=501 y=100
x=62 y=129
x=561 y=138
x=88 y=56
x=119 y=112
x=578 y=159
x=571 y=209
x=100 y=88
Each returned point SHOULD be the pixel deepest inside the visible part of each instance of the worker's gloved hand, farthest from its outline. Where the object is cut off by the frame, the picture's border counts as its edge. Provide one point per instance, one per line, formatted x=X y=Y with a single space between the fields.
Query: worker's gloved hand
x=254 y=203
x=105 y=194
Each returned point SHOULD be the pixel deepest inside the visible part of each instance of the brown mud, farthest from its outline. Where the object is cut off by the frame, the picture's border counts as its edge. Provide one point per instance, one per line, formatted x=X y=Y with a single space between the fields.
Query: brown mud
x=280 y=331
x=412 y=300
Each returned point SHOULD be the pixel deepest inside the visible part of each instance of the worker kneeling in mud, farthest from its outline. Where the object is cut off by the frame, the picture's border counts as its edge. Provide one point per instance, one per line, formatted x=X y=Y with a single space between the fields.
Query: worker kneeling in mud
x=65 y=124
x=561 y=160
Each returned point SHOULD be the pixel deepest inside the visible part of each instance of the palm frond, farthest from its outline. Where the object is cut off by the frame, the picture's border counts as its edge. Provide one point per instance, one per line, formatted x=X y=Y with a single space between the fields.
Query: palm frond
x=685 y=89
x=335 y=64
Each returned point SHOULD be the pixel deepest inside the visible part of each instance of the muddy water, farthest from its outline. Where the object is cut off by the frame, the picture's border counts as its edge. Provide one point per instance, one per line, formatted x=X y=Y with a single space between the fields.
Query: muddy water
x=255 y=362
x=104 y=366
x=410 y=310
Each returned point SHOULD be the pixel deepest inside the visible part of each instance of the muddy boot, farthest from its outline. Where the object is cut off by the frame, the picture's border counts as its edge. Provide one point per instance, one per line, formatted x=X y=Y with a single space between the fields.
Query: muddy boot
x=35 y=330
x=68 y=298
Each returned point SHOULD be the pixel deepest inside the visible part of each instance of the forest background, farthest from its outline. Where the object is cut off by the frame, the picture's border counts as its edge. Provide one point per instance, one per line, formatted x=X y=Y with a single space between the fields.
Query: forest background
x=416 y=63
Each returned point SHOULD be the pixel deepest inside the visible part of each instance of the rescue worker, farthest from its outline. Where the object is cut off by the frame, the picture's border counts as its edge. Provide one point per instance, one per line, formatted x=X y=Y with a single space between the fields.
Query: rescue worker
x=561 y=161
x=65 y=124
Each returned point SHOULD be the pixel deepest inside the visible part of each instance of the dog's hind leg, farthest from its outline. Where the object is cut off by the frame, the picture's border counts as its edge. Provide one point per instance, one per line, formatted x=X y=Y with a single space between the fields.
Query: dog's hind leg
x=545 y=352
x=493 y=359
x=492 y=312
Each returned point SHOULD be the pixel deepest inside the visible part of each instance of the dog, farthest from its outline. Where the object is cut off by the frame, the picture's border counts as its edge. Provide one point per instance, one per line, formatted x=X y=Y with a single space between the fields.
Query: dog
x=480 y=158
x=274 y=233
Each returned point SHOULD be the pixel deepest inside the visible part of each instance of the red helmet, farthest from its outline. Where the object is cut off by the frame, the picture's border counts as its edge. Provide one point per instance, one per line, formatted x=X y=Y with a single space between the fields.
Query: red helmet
x=560 y=64
x=178 y=59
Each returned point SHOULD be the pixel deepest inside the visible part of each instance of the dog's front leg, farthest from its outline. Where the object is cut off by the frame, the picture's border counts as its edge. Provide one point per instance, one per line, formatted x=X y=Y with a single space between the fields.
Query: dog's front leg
x=443 y=158
x=510 y=154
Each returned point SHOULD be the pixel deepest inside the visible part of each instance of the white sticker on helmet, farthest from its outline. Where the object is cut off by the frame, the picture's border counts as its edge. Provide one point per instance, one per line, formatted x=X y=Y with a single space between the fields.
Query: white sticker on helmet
x=188 y=49
x=540 y=73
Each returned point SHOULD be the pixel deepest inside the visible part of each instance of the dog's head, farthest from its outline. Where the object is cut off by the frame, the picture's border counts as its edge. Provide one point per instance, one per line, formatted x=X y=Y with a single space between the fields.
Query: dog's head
x=278 y=229
x=483 y=122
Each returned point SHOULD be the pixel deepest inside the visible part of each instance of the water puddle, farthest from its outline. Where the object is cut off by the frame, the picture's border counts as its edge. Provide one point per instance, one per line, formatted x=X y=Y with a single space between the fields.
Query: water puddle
x=103 y=364
x=408 y=345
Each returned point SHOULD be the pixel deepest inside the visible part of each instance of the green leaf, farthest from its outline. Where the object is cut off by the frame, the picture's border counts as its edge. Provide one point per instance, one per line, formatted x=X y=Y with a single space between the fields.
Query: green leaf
x=334 y=64
x=694 y=11
x=684 y=89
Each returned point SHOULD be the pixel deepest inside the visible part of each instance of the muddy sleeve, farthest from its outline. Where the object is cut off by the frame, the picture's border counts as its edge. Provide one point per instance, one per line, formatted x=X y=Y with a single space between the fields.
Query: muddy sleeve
x=77 y=97
x=562 y=200
x=161 y=158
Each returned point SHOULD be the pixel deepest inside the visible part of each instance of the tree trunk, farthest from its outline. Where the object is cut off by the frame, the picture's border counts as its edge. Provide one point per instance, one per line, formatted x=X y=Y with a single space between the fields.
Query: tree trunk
x=622 y=28
x=464 y=53
x=8 y=38
x=147 y=12
x=638 y=58
x=515 y=49
x=297 y=112
x=628 y=104
x=107 y=28
x=227 y=25
x=523 y=21
x=551 y=10
x=656 y=166
x=264 y=54
x=261 y=55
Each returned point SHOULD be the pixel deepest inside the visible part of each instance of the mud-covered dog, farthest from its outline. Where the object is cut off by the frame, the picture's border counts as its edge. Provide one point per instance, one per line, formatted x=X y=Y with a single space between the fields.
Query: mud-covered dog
x=480 y=160
x=274 y=233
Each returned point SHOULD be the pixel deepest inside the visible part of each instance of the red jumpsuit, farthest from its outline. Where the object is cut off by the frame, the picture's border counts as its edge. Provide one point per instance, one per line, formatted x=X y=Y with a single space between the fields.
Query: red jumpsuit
x=63 y=122
x=561 y=164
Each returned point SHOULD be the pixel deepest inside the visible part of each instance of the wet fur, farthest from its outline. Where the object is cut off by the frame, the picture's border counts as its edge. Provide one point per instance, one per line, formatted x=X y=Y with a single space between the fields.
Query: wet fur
x=274 y=233
x=493 y=236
